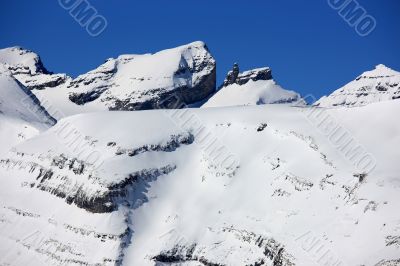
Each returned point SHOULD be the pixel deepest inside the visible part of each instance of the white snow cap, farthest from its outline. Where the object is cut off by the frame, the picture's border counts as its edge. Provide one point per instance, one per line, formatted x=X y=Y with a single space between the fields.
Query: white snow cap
x=380 y=71
x=379 y=84
x=20 y=57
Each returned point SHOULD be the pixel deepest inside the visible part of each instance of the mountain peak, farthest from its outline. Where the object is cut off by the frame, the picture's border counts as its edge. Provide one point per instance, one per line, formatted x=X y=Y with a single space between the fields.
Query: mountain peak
x=199 y=44
x=379 y=84
x=195 y=44
x=380 y=71
x=22 y=61
x=381 y=66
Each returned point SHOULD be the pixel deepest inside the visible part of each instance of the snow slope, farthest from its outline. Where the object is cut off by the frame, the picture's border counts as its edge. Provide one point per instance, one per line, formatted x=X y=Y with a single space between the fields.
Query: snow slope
x=21 y=115
x=166 y=198
x=251 y=87
x=129 y=82
x=380 y=84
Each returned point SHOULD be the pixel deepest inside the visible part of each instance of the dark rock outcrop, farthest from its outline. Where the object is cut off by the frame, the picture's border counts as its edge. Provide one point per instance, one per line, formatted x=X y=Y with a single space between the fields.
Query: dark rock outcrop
x=273 y=251
x=235 y=77
x=232 y=75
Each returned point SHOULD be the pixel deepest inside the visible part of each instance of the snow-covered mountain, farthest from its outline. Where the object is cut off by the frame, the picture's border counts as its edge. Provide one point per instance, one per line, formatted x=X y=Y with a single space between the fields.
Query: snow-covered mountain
x=163 y=197
x=380 y=84
x=249 y=182
x=251 y=87
x=129 y=82
x=21 y=115
x=28 y=68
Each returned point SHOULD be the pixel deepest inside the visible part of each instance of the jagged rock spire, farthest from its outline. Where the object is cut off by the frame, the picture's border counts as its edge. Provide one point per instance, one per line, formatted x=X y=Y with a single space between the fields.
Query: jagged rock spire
x=232 y=75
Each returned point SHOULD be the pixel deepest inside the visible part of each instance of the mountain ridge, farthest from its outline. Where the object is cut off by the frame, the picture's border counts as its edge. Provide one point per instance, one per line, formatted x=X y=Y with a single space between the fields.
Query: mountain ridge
x=128 y=82
x=98 y=89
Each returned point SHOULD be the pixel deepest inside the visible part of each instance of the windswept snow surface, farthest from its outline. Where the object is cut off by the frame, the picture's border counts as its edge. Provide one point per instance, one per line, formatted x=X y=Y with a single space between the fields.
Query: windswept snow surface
x=380 y=84
x=158 y=197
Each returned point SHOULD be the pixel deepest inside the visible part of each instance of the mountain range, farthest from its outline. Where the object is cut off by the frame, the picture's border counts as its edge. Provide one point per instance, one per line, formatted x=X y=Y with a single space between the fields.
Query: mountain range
x=146 y=160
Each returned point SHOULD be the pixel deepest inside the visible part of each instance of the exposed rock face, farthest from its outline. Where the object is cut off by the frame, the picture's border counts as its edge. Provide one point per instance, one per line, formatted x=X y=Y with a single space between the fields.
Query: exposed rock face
x=395 y=262
x=380 y=84
x=235 y=77
x=254 y=75
x=43 y=81
x=269 y=251
x=232 y=75
x=129 y=82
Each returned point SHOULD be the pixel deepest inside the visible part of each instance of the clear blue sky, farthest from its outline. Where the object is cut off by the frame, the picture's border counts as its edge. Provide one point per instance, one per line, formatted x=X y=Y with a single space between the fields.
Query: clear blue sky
x=309 y=47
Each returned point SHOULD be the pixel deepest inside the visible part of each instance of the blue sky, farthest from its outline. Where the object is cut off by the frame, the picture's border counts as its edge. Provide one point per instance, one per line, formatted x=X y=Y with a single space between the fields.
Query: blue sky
x=308 y=45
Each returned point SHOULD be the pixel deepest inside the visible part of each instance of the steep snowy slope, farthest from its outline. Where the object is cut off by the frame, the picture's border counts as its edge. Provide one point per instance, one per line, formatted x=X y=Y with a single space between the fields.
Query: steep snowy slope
x=129 y=82
x=251 y=87
x=287 y=196
x=380 y=84
x=21 y=115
